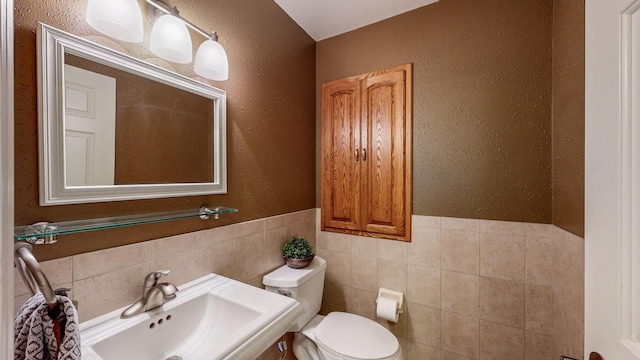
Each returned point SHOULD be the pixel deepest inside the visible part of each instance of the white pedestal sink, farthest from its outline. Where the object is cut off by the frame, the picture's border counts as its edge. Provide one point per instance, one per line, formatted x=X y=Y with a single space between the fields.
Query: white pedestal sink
x=213 y=317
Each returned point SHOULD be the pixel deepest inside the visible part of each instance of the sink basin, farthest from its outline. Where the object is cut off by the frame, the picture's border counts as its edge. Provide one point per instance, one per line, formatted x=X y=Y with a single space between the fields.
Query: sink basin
x=213 y=317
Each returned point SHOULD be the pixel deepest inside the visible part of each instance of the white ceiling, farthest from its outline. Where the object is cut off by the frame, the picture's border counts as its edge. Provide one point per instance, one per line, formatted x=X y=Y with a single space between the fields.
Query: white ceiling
x=322 y=19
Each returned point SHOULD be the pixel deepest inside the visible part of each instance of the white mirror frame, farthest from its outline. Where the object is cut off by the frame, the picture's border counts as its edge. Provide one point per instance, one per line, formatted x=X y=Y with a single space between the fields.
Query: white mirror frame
x=52 y=44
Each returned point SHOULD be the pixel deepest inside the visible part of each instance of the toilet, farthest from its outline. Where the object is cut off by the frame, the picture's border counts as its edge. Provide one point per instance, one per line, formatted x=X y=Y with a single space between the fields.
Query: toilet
x=337 y=336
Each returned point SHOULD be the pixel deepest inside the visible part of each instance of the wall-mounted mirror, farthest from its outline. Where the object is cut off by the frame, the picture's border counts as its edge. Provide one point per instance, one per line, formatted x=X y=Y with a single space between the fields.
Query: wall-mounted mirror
x=113 y=127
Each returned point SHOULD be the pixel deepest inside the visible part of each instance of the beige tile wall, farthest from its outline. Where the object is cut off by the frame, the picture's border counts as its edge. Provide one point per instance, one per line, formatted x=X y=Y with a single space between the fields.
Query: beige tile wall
x=106 y=280
x=475 y=289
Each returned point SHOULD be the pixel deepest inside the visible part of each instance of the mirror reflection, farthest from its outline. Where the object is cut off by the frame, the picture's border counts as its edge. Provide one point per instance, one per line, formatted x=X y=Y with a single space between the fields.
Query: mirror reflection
x=113 y=127
x=121 y=129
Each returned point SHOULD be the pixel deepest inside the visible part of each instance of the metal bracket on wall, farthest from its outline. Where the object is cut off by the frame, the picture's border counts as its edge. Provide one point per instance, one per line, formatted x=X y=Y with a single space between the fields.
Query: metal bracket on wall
x=39 y=228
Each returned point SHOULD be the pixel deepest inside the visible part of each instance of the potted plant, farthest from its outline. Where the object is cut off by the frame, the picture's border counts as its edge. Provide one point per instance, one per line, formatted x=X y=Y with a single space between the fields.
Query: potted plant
x=297 y=252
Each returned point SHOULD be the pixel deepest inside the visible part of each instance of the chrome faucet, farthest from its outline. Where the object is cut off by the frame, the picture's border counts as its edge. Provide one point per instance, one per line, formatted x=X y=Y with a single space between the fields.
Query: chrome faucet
x=154 y=294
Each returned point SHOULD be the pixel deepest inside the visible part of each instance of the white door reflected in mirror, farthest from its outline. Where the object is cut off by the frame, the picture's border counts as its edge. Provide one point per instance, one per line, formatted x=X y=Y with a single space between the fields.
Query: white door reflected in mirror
x=90 y=127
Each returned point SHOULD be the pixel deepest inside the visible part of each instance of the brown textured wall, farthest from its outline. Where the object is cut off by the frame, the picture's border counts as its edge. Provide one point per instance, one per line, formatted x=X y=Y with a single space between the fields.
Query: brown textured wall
x=482 y=102
x=270 y=119
x=568 y=115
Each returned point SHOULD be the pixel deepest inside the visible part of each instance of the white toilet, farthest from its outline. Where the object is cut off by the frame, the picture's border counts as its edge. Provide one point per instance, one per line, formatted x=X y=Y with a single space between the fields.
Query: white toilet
x=337 y=336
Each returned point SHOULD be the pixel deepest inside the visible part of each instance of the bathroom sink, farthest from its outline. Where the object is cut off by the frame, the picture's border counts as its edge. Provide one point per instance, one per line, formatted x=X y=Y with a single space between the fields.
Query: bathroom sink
x=213 y=317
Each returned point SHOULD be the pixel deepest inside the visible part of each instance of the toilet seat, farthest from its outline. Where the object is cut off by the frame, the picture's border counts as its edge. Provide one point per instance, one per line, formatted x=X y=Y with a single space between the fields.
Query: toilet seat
x=350 y=336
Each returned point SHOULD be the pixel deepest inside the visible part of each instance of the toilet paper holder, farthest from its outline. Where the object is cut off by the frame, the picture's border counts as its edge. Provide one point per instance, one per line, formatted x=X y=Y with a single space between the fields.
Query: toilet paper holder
x=398 y=296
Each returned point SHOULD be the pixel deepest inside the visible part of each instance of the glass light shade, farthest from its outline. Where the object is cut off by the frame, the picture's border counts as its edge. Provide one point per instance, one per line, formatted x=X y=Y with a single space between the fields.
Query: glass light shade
x=119 y=19
x=211 y=61
x=170 y=40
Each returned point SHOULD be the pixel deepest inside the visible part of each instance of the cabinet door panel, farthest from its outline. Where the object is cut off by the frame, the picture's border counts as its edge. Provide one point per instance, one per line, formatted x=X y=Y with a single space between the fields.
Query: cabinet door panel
x=366 y=154
x=340 y=152
x=383 y=114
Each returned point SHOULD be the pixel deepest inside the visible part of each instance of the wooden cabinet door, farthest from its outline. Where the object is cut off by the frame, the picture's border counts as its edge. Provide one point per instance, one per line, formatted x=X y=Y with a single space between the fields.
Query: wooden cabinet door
x=385 y=176
x=340 y=179
x=366 y=154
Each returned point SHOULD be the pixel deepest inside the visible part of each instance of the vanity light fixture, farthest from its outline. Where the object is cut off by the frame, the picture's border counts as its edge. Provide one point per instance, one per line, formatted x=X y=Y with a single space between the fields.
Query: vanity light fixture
x=211 y=59
x=170 y=39
x=119 y=19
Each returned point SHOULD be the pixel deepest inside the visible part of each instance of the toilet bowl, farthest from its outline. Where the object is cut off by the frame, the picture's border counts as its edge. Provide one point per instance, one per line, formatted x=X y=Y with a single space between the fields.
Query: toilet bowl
x=336 y=336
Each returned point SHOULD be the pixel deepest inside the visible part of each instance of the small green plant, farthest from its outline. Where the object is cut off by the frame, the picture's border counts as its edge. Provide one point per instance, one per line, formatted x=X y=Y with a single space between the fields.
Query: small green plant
x=297 y=248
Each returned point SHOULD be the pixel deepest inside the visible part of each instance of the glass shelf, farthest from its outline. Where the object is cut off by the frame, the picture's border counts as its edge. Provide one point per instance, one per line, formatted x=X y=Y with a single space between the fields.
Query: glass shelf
x=43 y=232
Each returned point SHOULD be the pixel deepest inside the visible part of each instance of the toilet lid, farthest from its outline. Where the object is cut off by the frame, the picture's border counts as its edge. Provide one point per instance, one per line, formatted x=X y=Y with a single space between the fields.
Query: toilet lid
x=355 y=336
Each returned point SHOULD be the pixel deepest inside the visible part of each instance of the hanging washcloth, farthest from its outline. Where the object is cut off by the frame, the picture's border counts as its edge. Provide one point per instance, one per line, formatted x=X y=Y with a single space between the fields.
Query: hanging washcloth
x=39 y=337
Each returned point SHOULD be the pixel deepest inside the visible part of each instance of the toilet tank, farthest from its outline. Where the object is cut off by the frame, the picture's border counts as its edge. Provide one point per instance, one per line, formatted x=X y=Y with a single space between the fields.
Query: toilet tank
x=305 y=285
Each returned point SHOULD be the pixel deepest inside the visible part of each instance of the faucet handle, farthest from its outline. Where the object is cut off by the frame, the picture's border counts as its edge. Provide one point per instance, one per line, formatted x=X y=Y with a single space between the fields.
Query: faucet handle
x=152 y=278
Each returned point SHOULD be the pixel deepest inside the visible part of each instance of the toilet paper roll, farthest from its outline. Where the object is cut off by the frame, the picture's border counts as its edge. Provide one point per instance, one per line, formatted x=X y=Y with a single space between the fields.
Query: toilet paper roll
x=387 y=309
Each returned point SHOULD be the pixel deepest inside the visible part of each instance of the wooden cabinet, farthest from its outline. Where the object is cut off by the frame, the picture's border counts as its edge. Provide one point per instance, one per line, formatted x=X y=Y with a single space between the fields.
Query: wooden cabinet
x=366 y=154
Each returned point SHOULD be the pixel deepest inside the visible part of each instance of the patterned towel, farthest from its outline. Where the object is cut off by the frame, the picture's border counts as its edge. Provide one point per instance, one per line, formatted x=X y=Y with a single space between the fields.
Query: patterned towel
x=38 y=337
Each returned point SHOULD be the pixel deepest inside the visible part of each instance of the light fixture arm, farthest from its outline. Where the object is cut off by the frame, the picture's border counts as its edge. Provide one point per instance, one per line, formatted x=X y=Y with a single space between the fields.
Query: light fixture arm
x=160 y=5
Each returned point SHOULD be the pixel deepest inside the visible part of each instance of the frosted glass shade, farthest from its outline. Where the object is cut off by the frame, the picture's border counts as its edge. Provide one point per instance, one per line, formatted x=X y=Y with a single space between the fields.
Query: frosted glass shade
x=211 y=61
x=170 y=40
x=119 y=19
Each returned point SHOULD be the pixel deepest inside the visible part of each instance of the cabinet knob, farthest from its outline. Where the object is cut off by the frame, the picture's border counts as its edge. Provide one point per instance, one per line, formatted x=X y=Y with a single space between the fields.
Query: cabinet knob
x=356 y=153
x=364 y=154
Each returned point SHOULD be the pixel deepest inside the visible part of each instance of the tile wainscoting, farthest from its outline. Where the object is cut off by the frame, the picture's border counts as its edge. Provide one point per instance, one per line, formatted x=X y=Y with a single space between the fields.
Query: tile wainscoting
x=105 y=280
x=475 y=289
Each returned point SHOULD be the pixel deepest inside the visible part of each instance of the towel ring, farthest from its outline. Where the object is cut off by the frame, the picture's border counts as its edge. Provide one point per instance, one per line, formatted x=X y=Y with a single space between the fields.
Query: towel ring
x=32 y=274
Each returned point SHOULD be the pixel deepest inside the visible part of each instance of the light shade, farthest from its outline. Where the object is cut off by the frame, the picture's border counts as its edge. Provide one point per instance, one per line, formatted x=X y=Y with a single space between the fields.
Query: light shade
x=211 y=61
x=170 y=40
x=119 y=19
